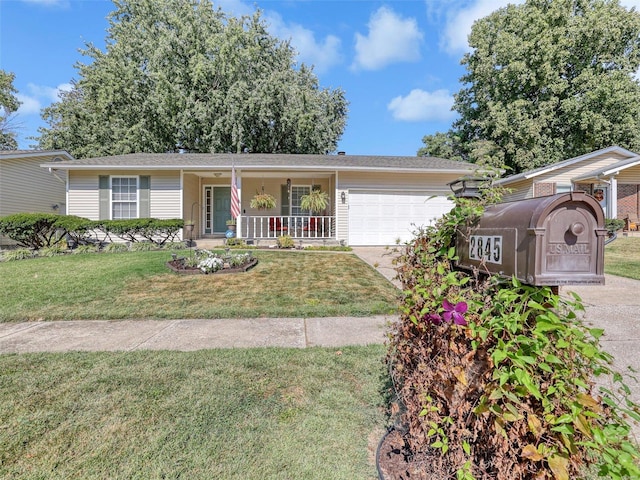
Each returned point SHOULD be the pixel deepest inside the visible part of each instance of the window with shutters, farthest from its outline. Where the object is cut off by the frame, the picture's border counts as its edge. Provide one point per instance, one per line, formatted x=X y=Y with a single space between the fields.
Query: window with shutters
x=124 y=197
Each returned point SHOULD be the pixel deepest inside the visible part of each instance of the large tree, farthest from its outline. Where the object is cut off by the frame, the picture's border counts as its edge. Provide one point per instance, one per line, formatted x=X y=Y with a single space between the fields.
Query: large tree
x=183 y=74
x=9 y=104
x=548 y=80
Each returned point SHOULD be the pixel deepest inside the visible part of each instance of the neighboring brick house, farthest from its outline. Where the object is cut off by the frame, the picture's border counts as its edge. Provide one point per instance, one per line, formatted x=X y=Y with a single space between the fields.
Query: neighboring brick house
x=612 y=172
x=27 y=187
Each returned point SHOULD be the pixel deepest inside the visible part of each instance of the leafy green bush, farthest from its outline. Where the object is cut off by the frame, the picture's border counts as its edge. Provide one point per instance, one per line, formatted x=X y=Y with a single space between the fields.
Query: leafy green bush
x=285 y=241
x=33 y=230
x=613 y=225
x=78 y=229
x=134 y=230
x=495 y=378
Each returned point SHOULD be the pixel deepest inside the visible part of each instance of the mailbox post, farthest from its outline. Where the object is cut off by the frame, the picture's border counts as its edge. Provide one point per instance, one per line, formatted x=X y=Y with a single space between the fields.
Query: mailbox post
x=555 y=240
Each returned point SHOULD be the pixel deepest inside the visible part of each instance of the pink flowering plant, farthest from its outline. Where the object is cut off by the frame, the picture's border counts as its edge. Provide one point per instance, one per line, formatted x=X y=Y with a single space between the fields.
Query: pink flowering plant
x=494 y=379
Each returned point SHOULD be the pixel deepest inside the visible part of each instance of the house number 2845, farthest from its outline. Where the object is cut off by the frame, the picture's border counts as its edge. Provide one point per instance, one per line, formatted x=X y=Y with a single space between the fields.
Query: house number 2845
x=486 y=248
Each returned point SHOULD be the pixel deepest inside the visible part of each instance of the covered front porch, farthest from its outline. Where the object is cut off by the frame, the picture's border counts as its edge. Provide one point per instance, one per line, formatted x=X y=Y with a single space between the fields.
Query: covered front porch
x=207 y=205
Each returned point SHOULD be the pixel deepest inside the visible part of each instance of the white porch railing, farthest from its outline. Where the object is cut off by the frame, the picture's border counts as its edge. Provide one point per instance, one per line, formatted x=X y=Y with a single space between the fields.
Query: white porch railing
x=321 y=227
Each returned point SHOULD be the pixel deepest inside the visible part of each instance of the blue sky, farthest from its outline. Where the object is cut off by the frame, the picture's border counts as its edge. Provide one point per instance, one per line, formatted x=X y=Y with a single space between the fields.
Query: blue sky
x=397 y=61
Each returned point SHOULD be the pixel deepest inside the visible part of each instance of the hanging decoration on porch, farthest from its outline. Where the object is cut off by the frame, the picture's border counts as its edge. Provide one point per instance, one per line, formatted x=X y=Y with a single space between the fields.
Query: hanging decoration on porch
x=263 y=201
x=316 y=201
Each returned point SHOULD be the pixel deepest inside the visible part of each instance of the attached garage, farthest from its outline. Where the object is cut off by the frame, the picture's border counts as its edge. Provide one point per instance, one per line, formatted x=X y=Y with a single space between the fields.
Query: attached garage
x=382 y=217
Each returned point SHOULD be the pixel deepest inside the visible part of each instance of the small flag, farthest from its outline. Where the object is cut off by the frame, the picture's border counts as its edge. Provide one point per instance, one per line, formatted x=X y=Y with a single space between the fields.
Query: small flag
x=235 y=199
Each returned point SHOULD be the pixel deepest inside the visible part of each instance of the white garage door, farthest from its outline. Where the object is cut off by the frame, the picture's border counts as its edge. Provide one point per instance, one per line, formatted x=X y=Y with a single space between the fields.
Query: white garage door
x=380 y=218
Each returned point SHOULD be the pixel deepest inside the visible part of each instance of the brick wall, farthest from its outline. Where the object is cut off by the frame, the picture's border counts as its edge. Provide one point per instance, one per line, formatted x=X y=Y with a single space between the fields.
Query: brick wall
x=628 y=200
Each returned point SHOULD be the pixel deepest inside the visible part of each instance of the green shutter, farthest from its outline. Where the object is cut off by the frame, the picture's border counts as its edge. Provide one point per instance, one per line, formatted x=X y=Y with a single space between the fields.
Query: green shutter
x=284 y=203
x=143 y=196
x=104 y=201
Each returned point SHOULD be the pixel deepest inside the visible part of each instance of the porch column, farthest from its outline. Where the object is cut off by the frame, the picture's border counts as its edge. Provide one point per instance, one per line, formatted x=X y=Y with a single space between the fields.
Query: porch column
x=239 y=219
x=613 y=202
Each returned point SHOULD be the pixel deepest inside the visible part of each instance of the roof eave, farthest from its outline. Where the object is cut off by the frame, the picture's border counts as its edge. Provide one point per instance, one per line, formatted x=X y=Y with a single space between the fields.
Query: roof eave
x=39 y=153
x=258 y=167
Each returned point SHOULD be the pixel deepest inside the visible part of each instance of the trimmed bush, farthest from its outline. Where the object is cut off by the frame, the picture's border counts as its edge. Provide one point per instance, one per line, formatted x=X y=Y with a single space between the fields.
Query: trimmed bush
x=33 y=230
x=134 y=230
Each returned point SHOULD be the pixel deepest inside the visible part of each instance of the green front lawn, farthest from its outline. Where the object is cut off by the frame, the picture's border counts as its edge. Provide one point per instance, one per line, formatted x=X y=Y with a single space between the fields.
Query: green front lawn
x=214 y=414
x=139 y=285
x=622 y=257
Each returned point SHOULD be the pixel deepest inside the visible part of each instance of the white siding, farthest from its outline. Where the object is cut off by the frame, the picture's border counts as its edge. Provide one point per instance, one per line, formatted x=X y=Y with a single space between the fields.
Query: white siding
x=519 y=191
x=27 y=187
x=83 y=195
x=630 y=176
x=165 y=195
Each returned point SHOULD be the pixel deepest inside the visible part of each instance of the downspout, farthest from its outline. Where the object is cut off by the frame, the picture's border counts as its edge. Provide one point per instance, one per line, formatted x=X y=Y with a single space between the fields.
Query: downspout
x=65 y=182
x=54 y=172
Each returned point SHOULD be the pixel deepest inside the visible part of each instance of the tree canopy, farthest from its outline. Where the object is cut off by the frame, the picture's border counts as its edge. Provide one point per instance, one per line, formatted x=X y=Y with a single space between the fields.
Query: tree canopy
x=9 y=104
x=546 y=80
x=181 y=74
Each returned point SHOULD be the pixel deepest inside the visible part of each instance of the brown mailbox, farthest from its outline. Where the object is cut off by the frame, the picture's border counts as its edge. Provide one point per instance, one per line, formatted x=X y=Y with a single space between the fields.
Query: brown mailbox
x=554 y=240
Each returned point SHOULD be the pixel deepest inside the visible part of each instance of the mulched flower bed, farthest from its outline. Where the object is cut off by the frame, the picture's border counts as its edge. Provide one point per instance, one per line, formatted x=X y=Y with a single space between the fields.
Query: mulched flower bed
x=179 y=266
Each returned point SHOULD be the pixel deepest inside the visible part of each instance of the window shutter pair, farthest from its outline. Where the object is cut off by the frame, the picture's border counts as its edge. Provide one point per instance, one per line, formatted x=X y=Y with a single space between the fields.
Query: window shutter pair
x=144 y=187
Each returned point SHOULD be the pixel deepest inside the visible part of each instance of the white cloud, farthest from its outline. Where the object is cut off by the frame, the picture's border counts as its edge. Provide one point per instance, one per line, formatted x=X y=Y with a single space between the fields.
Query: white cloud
x=40 y=96
x=323 y=54
x=29 y=105
x=390 y=39
x=460 y=21
x=421 y=106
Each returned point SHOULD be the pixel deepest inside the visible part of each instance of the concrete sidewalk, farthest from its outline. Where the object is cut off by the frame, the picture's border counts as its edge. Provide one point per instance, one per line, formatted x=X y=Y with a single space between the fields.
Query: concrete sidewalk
x=189 y=335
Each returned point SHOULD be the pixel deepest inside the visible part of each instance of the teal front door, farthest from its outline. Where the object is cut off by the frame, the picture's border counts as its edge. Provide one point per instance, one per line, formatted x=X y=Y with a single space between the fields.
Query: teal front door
x=221 y=208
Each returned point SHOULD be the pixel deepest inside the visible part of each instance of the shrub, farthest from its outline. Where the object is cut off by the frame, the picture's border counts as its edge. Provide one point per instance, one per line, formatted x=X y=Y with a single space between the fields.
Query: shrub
x=32 y=230
x=89 y=248
x=613 y=225
x=143 y=246
x=175 y=246
x=51 y=251
x=116 y=248
x=285 y=241
x=495 y=378
x=149 y=229
x=17 y=254
x=77 y=229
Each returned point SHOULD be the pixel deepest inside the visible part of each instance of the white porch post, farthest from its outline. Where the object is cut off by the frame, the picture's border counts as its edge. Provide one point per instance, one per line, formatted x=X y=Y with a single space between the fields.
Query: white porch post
x=239 y=219
x=613 y=198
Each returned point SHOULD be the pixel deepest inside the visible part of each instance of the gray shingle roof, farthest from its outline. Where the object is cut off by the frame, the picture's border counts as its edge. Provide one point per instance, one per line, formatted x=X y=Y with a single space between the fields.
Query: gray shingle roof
x=262 y=161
